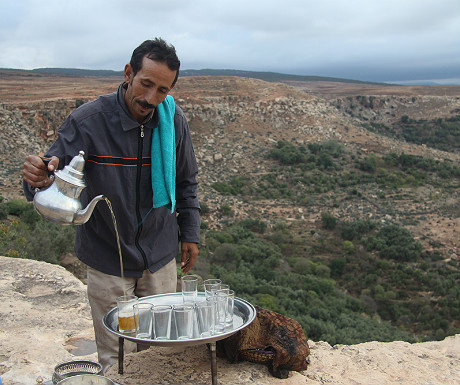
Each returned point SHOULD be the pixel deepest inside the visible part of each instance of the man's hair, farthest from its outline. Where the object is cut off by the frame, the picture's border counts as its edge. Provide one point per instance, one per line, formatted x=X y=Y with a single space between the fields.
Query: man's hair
x=158 y=50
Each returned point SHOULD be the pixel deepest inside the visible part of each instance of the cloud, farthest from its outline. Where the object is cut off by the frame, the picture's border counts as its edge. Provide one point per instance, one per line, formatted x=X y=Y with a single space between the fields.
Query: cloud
x=329 y=37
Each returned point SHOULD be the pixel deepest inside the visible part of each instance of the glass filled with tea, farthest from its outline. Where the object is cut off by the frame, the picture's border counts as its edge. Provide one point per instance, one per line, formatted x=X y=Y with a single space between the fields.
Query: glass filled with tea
x=126 y=321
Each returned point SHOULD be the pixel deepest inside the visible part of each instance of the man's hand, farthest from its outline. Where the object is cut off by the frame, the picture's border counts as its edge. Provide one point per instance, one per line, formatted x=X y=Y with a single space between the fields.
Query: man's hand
x=35 y=171
x=189 y=255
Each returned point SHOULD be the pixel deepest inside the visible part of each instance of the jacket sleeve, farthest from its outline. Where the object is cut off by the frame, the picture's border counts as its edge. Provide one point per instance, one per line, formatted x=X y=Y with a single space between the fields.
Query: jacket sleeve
x=187 y=204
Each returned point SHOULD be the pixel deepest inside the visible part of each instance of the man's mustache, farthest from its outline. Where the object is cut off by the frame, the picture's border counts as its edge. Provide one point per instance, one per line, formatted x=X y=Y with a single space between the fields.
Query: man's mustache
x=144 y=104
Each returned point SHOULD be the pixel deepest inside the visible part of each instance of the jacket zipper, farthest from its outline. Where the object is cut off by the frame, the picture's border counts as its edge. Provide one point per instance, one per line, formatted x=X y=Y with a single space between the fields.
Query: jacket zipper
x=138 y=194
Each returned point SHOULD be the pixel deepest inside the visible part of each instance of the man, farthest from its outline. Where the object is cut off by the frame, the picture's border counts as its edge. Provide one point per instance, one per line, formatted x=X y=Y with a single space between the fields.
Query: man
x=128 y=138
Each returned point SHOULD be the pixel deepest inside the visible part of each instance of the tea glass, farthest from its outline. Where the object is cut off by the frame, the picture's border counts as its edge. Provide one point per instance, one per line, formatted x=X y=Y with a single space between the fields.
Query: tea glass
x=206 y=317
x=183 y=315
x=220 y=286
x=189 y=285
x=209 y=284
x=162 y=315
x=126 y=322
x=143 y=319
x=225 y=300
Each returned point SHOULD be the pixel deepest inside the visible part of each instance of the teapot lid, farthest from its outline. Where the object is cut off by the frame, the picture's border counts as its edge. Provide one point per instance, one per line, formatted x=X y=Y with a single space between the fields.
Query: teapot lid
x=73 y=172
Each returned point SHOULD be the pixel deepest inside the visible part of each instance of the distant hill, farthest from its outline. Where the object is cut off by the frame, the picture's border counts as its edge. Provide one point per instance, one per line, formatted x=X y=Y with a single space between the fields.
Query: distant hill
x=267 y=76
x=68 y=72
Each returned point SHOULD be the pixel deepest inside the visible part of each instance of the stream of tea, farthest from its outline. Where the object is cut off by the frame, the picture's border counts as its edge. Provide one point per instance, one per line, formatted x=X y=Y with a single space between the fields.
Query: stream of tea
x=118 y=244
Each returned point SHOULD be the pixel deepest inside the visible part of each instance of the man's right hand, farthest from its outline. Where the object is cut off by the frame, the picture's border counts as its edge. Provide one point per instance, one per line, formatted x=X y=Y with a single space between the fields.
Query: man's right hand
x=35 y=172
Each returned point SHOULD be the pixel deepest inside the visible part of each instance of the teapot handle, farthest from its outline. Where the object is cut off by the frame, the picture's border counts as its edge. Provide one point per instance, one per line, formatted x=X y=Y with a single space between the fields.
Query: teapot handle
x=46 y=161
x=50 y=173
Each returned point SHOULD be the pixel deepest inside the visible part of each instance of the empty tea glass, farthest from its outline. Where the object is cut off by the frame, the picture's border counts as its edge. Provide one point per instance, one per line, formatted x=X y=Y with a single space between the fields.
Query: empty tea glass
x=162 y=315
x=209 y=284
x=220 y=286
x=183 y=315
x=230 y=295
x=206 y=317
x=143 y=320
x=225 y=300
x=189 y=285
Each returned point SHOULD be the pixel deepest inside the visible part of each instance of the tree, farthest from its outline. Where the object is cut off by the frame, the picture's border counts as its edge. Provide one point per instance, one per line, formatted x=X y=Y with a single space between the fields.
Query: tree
x=328 y=220
x=369 y=164
x=337 y=266
x=395 y=242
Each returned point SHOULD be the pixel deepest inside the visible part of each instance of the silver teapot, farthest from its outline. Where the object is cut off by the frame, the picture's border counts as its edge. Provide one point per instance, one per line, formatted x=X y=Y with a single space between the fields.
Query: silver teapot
x=60 y=201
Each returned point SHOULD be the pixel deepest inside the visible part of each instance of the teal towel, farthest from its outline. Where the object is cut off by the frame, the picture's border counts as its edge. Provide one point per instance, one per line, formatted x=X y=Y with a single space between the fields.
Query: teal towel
x=164 y=156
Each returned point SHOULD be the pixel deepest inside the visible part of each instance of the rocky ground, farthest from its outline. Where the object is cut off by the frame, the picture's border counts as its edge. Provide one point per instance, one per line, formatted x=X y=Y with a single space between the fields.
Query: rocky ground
x=45 y=321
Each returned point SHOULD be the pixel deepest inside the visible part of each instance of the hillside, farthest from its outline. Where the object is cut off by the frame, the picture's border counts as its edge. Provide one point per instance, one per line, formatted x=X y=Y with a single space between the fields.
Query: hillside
x=353 y=163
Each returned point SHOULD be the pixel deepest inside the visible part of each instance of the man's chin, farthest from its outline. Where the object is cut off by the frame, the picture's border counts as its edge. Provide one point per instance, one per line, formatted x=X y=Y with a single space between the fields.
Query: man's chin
x=144 y=112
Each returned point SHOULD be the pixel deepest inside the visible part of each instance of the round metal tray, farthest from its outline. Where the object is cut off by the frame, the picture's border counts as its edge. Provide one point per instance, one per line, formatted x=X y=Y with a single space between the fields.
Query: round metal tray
x=243 y=314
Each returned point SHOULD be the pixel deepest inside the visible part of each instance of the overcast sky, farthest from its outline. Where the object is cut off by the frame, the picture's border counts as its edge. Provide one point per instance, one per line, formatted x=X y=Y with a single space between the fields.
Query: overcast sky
x=372 y=40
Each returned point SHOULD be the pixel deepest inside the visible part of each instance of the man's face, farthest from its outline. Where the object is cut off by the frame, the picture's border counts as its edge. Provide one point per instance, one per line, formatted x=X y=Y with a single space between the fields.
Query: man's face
x=148 y=88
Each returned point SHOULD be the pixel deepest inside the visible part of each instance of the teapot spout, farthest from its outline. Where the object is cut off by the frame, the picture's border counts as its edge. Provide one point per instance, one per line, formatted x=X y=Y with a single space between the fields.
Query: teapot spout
x=82 y=216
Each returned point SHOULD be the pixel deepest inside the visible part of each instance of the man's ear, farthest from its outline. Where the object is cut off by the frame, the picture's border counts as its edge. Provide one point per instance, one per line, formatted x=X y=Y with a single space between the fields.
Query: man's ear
x=128 y=73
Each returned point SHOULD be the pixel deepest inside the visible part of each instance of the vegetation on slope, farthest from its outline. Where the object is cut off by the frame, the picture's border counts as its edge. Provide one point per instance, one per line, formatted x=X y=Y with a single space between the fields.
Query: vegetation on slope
x=348 y=279
x=373 y=273
x=442 y=134
x=24 y=234
x=339 y=290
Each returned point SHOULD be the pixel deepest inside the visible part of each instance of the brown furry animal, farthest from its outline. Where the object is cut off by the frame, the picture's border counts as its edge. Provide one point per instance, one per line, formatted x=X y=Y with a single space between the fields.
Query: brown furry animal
x=271 y=339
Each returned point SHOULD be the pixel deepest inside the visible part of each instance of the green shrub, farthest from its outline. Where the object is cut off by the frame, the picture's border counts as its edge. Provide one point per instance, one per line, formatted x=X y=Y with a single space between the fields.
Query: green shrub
x=204 y=208
x=395 y=242
x=369 y=164
x=348 y=247
x=356 y=229
x=255 y=225
x=288 y=154
x=3 y=211
x=226 y=209
x=337 y=267
x=304 y=266
x=17 y=206
x=328 y=220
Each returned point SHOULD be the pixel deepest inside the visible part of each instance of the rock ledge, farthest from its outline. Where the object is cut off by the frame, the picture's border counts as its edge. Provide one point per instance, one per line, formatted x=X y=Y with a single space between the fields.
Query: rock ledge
x=46 y=320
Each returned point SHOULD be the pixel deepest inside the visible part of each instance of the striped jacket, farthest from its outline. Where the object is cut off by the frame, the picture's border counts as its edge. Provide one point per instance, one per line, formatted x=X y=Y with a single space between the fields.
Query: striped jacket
x=117 y=154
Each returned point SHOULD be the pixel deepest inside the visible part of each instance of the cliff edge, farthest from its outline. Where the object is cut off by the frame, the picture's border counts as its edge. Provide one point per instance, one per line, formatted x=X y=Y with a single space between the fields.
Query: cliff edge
x=45 y=320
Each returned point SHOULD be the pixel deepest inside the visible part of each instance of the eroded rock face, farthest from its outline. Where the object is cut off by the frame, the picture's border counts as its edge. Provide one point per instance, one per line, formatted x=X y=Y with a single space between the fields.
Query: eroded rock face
x=44 y=317
x=45 y=320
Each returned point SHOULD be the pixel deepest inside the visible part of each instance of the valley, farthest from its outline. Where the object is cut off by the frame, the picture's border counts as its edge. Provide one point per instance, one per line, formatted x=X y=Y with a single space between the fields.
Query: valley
x=354 y=164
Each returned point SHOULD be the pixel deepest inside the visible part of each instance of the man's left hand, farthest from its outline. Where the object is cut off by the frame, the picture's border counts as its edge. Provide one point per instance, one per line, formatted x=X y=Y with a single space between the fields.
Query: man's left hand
x=189 y=255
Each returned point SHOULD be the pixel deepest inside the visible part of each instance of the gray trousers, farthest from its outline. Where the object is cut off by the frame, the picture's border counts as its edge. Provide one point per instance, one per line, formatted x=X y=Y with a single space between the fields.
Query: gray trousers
x=103 y=289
